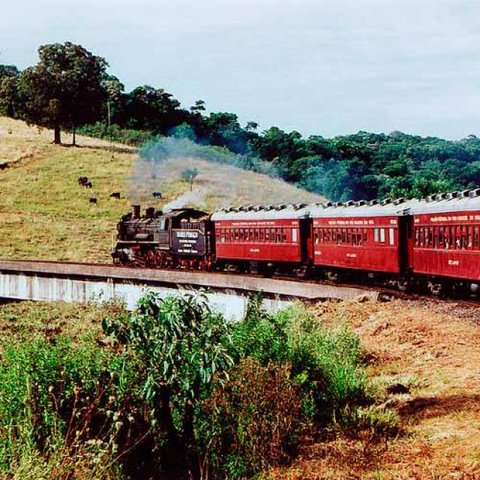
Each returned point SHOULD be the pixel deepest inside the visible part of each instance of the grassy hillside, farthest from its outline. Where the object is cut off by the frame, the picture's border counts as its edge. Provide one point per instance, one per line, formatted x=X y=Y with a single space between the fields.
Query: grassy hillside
x=45 y=214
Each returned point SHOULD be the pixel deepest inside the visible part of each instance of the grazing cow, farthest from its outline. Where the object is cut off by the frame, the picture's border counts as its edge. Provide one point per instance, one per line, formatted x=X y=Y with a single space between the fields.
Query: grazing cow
x=115 y=195
x=88 y=185
x=92 y=200
x=82 y=181
x=157 y=194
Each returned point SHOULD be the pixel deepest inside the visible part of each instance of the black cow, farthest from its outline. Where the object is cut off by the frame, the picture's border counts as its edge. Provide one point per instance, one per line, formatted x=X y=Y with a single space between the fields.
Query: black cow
x=115 y=195
x=85 y=182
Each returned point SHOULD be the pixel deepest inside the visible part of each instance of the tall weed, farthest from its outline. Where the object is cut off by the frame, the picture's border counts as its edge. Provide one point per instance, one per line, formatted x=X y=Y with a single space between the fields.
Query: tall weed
x=54 y=399
x=326 y=363
x=253 y=421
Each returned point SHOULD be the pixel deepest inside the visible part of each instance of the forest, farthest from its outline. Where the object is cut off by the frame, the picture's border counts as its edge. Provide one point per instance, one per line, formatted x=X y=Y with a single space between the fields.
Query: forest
x=69 y=88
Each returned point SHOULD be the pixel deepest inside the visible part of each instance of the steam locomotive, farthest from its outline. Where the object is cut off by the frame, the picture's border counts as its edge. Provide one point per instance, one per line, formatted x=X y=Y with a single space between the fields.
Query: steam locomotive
x=431 y=243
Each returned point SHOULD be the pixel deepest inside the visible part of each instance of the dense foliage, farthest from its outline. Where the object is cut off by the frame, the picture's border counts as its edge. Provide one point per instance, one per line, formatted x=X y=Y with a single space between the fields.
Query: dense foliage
x=69 y=88
x=173 y=390
x=64 y=90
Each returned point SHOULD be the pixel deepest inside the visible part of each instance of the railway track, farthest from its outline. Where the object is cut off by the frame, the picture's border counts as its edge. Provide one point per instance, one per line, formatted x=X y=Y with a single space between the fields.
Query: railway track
x=381 y=293
x=22 y=275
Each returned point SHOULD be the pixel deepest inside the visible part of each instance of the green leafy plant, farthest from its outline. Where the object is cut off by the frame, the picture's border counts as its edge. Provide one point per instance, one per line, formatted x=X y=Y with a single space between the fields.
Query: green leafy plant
x=182 y=348
x=54 y=404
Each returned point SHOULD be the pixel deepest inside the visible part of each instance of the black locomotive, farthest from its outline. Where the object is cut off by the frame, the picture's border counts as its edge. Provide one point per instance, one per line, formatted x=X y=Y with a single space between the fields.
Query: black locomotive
x=180 y=238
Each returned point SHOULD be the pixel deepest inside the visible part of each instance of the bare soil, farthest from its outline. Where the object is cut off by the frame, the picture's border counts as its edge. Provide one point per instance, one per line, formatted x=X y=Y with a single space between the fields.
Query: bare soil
x=432 y=348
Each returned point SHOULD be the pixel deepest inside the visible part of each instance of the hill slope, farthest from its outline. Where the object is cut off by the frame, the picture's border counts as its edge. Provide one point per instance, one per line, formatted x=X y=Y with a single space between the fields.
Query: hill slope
x=433 y=348
x=45 y=214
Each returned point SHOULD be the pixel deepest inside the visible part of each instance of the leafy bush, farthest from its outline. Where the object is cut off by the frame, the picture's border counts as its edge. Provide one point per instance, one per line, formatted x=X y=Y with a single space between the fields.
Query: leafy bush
x=328 y=363
x=181 y=347
x=117 y=134
x=332 y=360
x=260 y=336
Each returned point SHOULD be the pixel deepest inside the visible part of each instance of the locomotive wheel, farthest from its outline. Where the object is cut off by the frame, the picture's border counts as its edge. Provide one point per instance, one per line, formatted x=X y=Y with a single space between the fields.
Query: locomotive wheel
x=160 y=259
x=122 y=259
x=151 y=259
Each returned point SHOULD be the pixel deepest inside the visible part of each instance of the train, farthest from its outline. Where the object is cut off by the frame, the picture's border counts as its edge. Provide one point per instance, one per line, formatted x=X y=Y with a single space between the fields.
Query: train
x=430 y=243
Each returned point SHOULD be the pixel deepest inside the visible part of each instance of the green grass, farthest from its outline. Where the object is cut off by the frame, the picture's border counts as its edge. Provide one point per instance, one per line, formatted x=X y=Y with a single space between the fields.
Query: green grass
x=45 y=214
x=25 y=320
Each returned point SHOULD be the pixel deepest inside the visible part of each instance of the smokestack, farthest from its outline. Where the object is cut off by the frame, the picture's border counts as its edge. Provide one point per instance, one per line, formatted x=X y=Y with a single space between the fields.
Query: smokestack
x=150 y=212
x=135 y=211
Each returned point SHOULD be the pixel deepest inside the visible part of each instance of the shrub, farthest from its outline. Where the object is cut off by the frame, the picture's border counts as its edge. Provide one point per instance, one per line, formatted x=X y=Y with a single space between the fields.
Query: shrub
x=331 y=359
x=116 y=134
x=253 y=421
x=326 y=363
x=261 y=336
x=181 y=347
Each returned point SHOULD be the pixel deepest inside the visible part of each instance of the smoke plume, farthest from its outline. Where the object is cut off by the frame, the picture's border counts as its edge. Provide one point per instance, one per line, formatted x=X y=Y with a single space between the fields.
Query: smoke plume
x=224 y=179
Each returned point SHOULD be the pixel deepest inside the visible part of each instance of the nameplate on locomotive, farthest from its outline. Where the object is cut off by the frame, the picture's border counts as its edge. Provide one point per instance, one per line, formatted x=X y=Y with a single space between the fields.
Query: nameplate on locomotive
x=188 y=242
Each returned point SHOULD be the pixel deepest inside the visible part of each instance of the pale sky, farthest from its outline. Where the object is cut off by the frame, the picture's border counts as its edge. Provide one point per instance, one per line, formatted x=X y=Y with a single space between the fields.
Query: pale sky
x=320 y=67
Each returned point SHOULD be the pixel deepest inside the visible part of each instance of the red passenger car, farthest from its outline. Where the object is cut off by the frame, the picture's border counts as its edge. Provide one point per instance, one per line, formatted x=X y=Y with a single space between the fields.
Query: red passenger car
x=447 y=236
x=262 y=234
x=361 y=236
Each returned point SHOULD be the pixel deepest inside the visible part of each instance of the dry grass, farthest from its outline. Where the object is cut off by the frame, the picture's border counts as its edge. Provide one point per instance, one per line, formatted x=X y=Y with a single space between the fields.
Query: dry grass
x=427 y=348
x=19 y=141
x=217 y=185
x=45 y=214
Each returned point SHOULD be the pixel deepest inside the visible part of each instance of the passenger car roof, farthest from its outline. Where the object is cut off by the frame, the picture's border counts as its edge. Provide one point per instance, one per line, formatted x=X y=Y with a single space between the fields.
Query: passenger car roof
x=262 y=212
x=468 y=200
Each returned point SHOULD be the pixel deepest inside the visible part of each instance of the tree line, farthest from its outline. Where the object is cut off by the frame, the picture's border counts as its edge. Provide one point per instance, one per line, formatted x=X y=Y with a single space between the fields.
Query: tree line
x=69 y=88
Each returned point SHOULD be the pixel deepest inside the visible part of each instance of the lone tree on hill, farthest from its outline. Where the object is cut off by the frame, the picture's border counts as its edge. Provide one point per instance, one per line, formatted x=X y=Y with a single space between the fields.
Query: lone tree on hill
x=64 y=90
x=189 y=175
